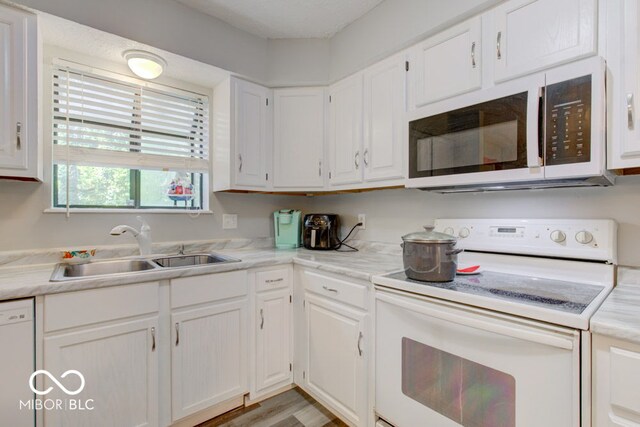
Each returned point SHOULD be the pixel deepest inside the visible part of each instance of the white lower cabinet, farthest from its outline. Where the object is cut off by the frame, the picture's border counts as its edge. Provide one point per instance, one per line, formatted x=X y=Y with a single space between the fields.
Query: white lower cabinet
x=208 y=341
x=615 y=379
x=117 y=357
x=336 y=346
x=207 y=356
x=272 y=350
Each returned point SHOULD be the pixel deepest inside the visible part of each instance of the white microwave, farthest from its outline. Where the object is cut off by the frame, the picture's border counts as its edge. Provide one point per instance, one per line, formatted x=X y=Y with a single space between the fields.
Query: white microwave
x=543 y=130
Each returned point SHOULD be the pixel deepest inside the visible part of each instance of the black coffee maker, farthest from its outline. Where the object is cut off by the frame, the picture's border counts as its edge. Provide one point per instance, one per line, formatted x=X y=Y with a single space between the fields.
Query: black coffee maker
x=321 y=231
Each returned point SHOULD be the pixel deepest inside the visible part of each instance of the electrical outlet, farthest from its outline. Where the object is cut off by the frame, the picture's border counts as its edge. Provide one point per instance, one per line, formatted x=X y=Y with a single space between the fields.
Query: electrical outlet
x=229 y=221
x=363 y=219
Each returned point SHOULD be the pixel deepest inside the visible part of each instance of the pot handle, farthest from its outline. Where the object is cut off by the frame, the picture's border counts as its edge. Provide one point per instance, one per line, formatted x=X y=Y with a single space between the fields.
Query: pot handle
x=402 y=245
x=454 y=252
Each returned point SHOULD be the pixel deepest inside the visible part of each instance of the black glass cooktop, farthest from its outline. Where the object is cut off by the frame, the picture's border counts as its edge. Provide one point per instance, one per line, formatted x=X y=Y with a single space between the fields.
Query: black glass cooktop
x=552 y=294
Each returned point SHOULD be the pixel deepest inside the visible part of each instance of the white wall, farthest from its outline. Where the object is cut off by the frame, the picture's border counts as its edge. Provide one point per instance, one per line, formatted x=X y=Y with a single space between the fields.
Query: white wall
x=23 y=225
x=298 y=62
x=393 y=213
x=391 y=26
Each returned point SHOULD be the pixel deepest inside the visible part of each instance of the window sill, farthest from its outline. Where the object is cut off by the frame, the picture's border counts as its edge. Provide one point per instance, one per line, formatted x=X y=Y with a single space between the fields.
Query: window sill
x=126 y=211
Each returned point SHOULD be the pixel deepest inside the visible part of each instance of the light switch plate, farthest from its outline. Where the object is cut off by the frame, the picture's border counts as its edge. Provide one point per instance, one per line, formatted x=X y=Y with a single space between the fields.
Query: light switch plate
x=229 y=221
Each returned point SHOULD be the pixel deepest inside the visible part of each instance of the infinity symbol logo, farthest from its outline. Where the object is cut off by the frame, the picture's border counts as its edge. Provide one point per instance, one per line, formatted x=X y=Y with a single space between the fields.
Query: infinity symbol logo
x=58 y=383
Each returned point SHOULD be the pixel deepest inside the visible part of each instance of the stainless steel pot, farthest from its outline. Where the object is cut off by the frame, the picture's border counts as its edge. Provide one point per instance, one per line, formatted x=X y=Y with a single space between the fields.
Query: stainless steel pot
x=430 y=256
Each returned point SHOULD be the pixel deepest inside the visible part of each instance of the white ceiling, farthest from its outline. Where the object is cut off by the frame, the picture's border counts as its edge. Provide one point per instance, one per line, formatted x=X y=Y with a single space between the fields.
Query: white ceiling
x=278 y=19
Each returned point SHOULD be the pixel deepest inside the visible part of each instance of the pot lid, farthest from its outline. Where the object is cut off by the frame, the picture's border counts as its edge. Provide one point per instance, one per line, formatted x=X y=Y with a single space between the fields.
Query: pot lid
x=429 y=236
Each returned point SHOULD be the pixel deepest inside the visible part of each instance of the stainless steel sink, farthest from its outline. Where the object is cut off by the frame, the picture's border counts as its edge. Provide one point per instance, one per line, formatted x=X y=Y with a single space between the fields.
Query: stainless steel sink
x=175 y=261
x=100 y=268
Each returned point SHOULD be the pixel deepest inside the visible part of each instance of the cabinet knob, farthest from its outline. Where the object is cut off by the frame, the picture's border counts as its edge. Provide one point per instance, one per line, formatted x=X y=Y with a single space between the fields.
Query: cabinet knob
x=356 y=159
x=365 y=157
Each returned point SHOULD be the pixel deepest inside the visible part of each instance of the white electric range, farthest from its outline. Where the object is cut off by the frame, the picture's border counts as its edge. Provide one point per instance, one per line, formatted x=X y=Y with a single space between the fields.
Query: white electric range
x=507 y=347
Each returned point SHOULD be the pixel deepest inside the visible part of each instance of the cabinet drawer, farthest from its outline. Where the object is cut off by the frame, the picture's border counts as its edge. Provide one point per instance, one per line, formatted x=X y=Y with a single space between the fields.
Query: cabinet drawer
x=346 y=292
x=272 y=279
x=68 y=310
x=187 y=291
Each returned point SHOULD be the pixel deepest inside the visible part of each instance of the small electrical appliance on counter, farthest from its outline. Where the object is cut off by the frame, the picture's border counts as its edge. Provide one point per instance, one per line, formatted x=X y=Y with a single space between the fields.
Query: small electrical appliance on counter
x=321 y=231
x=287 y=228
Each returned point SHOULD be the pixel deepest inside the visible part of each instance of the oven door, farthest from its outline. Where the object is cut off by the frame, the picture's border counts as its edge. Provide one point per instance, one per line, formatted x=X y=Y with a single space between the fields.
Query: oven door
x=490 y=136
x=443 y=364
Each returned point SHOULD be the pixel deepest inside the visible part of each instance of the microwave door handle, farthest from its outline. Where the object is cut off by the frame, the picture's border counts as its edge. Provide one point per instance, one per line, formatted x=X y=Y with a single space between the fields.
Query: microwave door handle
x=535 y=132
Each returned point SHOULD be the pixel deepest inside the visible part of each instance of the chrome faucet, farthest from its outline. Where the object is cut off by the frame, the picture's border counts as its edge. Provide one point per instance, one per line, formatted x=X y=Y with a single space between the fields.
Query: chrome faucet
x=143 y=236
x=181 y=249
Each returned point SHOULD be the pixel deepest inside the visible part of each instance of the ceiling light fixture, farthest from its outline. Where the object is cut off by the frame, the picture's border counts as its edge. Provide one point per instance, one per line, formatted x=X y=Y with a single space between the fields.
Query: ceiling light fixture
x=144 y=64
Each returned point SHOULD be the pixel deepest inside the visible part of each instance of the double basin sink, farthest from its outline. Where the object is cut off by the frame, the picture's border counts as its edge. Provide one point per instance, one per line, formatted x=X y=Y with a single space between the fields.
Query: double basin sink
x=64 y=272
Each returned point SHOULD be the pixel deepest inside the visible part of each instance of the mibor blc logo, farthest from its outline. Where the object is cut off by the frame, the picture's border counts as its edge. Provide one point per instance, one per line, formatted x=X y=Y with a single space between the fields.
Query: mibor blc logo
x=57 y=404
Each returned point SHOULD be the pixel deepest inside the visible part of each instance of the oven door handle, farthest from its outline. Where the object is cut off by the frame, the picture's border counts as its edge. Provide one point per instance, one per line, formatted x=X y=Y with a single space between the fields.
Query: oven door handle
x=479 y=321
x=535 y=127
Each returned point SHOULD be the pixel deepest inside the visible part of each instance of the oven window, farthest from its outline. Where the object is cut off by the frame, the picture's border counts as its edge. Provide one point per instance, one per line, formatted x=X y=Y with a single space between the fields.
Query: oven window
x=471 y=394
x=483 y=137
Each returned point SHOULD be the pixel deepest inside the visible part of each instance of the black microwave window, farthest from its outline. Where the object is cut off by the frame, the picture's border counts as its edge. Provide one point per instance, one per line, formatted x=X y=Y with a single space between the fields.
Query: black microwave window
x=484 y=137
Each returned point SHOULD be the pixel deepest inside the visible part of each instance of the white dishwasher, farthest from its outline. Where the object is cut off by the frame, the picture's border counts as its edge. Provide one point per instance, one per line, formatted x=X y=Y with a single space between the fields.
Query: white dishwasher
x=17 y=362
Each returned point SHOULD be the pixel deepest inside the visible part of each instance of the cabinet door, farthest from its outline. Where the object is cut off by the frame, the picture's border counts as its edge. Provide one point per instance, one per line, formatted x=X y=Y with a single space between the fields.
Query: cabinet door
x=336 y=364
x=345 y=131
x=616 y=372
x=119 y=363
x=384 y=107
x=299 y=136
x=534 y=34
x=625 y=147
x=251 y=133
x=448 y=63
x=273 y=339
x=18 y=90
x=208 y=356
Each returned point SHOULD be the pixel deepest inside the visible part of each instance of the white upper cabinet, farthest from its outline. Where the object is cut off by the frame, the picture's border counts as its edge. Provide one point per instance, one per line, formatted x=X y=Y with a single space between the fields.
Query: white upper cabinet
x=448 y=63
x=384 y=107
x=624 y=60
x=345 y=131
x=251 y=133
x=20 y=156
x=534 y=34
x=299 y=135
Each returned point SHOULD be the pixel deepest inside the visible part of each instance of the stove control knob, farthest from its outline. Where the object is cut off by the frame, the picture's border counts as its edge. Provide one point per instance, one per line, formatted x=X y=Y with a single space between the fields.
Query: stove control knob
x=584 y=237
x=448 y=230
x=558 y=236
x=463 y=233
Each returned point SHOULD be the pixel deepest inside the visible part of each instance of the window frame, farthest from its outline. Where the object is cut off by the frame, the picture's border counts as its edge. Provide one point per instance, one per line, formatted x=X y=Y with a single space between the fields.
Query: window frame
x=202 y=184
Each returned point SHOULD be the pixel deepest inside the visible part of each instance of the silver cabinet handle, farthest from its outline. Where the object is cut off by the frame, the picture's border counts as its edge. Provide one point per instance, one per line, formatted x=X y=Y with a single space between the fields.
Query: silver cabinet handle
x=473 y=55
x=359 y=340
x=261 y=319
x=319 y=167
x=365 y=157
x=630 y=120
x=19 y=135
x=356 y=159
x=280 y=279
x=153 y=339
x=329 y=289
x=498 y=42
x=240 y=160
x=177 y=333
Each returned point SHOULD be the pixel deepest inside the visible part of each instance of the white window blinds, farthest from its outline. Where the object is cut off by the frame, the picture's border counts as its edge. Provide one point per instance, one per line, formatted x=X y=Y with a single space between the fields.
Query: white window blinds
x=100 y=121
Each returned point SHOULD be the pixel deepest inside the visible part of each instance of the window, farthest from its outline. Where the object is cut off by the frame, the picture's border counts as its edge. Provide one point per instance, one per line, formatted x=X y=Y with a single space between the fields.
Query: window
x=118 y=144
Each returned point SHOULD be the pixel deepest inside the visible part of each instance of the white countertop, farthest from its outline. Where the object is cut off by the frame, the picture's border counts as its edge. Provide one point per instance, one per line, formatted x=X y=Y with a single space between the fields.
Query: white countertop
x=30 y=280
x=619 y=315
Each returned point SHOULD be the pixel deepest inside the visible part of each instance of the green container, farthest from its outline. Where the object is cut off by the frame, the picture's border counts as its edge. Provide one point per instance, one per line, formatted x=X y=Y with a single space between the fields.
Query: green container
x=287 y=224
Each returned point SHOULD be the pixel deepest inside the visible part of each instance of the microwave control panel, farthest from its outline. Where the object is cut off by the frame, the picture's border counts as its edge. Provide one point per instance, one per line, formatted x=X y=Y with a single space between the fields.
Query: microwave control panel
x=568 y=122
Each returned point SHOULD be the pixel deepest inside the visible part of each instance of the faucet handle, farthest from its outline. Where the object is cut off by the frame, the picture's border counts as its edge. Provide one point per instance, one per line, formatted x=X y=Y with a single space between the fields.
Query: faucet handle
x=145 y=225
